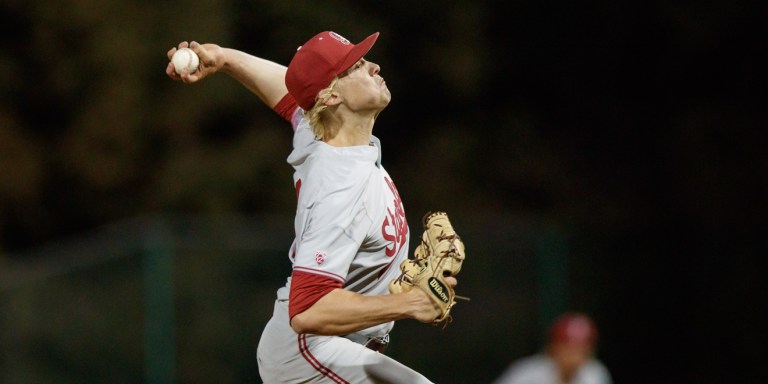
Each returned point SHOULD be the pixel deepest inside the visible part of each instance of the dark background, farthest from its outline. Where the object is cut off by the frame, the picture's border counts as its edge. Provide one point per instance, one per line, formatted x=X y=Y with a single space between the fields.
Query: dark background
x=636 y=129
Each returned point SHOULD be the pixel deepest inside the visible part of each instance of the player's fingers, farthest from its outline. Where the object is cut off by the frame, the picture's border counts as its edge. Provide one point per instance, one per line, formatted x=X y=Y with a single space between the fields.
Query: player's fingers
x=451 y=281
x=198 y=50
x=171 y=52
x=206 y=59
x=183 y=44
x=171 y=71
x=189 y=77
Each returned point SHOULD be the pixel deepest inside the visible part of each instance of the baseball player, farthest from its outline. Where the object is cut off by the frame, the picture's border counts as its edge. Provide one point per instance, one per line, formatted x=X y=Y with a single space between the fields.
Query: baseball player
x=332 y=319
x=568 y=358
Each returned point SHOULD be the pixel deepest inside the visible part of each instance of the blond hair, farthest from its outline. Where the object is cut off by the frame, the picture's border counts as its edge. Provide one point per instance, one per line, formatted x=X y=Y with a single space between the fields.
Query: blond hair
x=319 y=128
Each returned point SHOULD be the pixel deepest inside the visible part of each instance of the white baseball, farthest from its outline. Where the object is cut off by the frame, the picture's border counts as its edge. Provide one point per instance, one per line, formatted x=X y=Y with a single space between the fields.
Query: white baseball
x=185 y=59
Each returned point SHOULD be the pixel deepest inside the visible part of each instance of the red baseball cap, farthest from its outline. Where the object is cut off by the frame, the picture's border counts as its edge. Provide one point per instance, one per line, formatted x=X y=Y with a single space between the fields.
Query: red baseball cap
x=573 y=328
x=318 y=61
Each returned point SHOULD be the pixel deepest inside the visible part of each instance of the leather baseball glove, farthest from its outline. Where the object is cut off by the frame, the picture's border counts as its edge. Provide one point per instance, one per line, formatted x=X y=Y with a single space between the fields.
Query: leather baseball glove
x=440 y=254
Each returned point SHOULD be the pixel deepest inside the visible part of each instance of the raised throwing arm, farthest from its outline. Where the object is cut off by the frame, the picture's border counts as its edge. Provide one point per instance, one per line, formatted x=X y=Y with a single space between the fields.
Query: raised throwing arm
x=265 y=78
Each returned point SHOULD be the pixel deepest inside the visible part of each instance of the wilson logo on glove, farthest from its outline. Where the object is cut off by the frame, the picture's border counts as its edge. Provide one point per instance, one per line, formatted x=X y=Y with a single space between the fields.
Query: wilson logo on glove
x=439 y=289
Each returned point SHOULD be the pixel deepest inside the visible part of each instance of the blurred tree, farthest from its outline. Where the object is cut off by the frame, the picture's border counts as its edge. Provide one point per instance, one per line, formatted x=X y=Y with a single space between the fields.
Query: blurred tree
x=94 y=132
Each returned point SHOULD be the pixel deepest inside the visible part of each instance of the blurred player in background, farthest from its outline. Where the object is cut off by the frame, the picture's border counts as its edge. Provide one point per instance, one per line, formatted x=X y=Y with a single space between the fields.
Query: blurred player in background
x=568 y=357
x=332 y=319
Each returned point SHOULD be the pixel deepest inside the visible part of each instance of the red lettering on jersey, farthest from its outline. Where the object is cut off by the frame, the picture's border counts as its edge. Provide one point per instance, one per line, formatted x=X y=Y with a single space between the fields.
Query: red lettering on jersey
x=298 y=188
x=396 y=221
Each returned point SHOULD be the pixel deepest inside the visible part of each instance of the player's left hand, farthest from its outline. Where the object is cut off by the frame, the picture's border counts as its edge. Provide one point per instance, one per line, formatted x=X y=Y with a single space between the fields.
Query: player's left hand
x=437 y=260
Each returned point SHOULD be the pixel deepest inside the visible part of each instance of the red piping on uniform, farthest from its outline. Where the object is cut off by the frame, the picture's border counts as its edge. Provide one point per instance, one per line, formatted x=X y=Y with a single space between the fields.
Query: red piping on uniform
x=312 y=360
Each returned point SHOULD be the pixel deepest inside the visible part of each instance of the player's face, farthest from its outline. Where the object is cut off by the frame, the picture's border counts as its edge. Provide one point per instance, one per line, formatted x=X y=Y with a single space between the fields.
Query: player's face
x=362 y=88
x=569 y=356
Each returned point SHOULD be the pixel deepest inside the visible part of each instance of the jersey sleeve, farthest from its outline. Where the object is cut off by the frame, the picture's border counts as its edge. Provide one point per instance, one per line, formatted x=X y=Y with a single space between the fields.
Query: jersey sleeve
x=289 y=110
x=306 y=289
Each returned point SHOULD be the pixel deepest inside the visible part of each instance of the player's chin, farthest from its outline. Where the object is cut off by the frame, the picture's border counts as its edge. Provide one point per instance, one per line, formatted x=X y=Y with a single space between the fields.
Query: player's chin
x=386 y=97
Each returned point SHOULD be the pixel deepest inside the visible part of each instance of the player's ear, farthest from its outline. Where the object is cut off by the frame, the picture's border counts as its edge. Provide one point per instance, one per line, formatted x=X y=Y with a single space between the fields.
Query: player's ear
x=332 y=99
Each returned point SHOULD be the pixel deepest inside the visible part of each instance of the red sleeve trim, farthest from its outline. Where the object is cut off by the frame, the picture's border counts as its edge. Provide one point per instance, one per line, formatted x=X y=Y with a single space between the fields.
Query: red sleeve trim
x=286 y=106
x=306 y=289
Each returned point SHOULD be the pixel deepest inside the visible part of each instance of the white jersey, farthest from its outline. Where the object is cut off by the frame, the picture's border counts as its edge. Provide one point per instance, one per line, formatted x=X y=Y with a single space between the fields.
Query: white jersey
x=350 y=227
x=540 y=369
x=350 y=223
